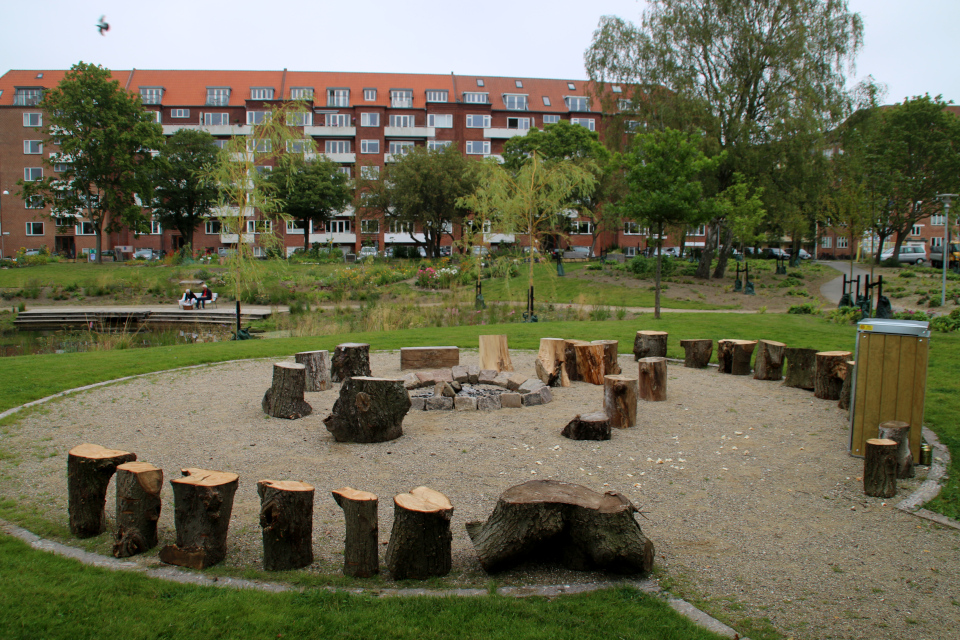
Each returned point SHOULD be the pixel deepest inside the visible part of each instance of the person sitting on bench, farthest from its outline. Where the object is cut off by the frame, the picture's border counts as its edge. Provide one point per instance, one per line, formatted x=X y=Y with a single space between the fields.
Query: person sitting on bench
x=189 y=300
x=204 y=296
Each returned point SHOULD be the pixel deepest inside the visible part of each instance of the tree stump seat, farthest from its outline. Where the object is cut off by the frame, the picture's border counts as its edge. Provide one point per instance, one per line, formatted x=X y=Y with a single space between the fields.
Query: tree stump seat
x=550 y=362
x=696 y=353
x=138 y=508
x=361 y=549
x=650 y=344
x=880 y=468
x=769 y=362
x=734 y=356
x=203 y=502
x=899 y=432
x=652 y=379
x=317 y=364
x=369 y=410
x=350 y=359
x=284 y=398
x=620 y=395
x=494 y=353
x=420 y=542
x=800 y=367
x=89 y=469
x=611 y=362
x=831 y=367
x=588 y=426
x=286 y=518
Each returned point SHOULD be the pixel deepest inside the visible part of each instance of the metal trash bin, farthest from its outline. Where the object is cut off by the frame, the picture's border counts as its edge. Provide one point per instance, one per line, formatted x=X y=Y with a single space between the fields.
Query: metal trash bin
x=889 y=379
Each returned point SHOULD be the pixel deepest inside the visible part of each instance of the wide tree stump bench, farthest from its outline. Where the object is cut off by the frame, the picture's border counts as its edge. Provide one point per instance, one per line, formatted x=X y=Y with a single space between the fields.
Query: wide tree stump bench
x=203 y=502
x=696 y=353
x=650 y=344
x=734 y=356
x=350 y=359
x=361 y=549
x=89 y=469
x=429 y=357
x=138 y=508
x=420 y=542
x=831 y=368
x=286 y=517
x=369 y=410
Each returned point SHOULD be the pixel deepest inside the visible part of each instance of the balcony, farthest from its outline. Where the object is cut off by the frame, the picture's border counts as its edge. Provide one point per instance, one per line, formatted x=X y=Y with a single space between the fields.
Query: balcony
x=502 y=134
x=499 y=238
x=212 y=129
x=410 y=132
x=330 y=132
x=401 y=103
x=335 y=238
x=340 y=157
x=233 y=238
x=403 y=238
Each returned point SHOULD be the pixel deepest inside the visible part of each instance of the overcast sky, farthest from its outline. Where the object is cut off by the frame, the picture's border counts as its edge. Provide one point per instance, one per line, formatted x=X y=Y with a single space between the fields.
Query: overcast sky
x=911 y=45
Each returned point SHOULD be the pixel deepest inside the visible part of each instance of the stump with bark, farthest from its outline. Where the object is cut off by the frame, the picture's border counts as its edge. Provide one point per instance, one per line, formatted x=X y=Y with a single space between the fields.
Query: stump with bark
x=620 y=400
x=138 y=508
x=769 y=362
x=611 y=363
x=361 y=549
x=733 y=356
x=350 y=359
x=650 y=344
x=286 y=517
x=696 y=353
x=494 y=353
x=590 y=363
x=588 y=426
x=548 y=519
x=317 y=364
x=89 y=469
x=653 y=379
x=420 y=541
x=831 y=367
x=203 y=502
x=880 y=468
x=284 y=399
x=570 y=358
x=847 y=389
x=369 y=410
x=549 y=364
x=800 y=367
x=899 y=432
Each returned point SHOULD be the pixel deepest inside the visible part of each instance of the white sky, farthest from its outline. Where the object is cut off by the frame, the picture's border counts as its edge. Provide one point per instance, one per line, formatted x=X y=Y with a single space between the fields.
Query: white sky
x=911 y=45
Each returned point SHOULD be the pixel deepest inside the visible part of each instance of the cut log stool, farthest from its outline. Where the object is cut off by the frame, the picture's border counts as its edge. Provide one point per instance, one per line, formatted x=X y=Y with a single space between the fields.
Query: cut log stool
x=588 y=426
x=611 y=364
x=830 y=370
x=880 y=468
x=734 y=356
x=350 y=359
x=800 y=367
x=284 y=399
x=769 y=362
x=369 y=410
x=847 y=389
x=286 y=517
x=590 y=362
x=89 y=469
x=570 y=358
x=420 y=540
x=696 y=353
x=899 y=432
x=203 y=502
x=494 y=353
x=650 y=344
x=138 y=508
x=620 y=400
x=429 y=357
x=653 y=379
x=317 y=364
x=360 y=551
x=549 y=364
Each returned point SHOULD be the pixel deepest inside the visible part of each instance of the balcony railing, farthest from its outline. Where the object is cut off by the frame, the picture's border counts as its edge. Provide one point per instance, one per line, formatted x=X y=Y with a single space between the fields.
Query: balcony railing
x=27 y=99
x=218 y=101
x=401 y=103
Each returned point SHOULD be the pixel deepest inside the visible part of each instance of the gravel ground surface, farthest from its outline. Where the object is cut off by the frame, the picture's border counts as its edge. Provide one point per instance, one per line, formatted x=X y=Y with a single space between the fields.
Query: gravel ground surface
x=747 y=489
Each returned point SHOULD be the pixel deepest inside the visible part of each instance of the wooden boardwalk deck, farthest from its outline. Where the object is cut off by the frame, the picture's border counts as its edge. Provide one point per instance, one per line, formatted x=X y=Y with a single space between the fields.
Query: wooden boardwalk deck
x=64 y=317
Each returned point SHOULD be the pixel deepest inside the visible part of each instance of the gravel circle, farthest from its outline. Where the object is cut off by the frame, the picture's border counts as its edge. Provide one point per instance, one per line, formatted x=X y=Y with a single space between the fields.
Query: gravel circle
x=746 y=486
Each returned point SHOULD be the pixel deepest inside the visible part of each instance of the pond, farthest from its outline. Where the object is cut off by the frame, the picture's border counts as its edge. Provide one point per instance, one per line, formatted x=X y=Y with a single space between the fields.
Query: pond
x=22 y=343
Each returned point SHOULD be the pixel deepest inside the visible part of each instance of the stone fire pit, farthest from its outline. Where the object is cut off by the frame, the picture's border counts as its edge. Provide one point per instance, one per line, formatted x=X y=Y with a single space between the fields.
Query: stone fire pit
x=469 y=388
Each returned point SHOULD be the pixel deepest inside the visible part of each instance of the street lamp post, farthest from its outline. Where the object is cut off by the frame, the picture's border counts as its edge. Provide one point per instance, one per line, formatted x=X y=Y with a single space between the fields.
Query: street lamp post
x=945 y=198
x=2 y=233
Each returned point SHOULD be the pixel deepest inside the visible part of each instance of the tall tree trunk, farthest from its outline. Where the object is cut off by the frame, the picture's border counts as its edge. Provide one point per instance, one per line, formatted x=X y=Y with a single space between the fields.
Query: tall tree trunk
x=703 y=269
x=881 y=238
x=724 y=253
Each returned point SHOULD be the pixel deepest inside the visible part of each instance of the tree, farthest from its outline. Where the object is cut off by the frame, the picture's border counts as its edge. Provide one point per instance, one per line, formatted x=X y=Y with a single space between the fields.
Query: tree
x=310 y=191
x=104 y=137
x=663 y=175
x=184 y=196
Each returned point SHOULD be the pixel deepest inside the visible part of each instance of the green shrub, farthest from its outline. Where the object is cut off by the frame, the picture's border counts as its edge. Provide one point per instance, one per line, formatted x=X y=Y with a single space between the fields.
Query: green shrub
x=907 y=274
x=844 y=315
x=789 y=282
x=911 y=315
x=806 y=308
x=890 y=262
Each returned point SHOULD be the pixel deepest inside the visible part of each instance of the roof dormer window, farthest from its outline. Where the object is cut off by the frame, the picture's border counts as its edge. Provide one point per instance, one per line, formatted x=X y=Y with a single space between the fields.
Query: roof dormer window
x=261 y=93
x=151 y=95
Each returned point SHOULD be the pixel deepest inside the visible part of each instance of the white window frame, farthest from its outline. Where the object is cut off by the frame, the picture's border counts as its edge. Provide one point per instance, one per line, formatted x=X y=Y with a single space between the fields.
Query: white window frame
x=440 y=120
x=258 y=117
x=34 y=202
x=581 y=228
x=575 y=102
x=546 y=101
x=365 y=226
x=261 y=93
x=336 y=120
x=631 y=228
x=32 y=174
x=156 y=228
x=302 y=93
x=157 y=116
x=295 y=227
x=84 y=228
x=60 y=167
x=437 y=145
x=401 y=98
x=151 y=95
x=476 y=97
x=370 y=172
x=472 y=121
x=180 y=113
x=616 y=88
x=472 y=149
x=404 y=121
x=212 y=227
x=400 y=226
x=700 y=230
x=571 y=86
x=917 y=230
x=259 y=226
x=369 y=146
x=550 y=118
x=209 y=117
x=522 y=123
x=400 y=147
x=938 y=220
x=345 y=170
x=33 y=147
x=843 y=242
x=515 y=102
x=259 y=146
x=437 y=95
x=338 y=226
x=589 y=123
x=338 y=97
x=826 y=242
x=336 y=146
x=32 y=228
x=300 y=119
x=218 y=96
x=369 y=119
x=370 y=95
x=27 y=117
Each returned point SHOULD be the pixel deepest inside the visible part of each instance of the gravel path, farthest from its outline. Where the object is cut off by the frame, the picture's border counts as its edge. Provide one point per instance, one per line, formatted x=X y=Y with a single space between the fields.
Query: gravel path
x=749 y=494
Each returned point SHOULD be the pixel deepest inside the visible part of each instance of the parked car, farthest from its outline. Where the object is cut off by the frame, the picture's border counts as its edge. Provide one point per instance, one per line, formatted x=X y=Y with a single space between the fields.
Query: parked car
x=481 y=251
x=367 y=252
x=803 y=254
x=774 y=252
x=936 y=255
x=145 y=254
x=909 y=254
x=446 y=250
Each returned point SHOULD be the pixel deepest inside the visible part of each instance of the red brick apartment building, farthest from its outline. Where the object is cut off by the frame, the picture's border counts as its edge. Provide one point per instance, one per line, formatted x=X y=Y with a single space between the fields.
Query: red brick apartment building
x=356 y=119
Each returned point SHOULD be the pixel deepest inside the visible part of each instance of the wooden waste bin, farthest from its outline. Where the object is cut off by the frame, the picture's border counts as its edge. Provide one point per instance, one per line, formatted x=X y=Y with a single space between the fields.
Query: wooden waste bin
x=889 y=379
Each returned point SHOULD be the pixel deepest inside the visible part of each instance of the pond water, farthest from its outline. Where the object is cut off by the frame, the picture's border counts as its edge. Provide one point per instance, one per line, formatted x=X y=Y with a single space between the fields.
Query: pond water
x=22 y=343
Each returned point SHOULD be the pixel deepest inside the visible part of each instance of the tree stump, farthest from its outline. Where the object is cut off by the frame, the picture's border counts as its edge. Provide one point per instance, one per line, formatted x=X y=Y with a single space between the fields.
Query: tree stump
x=846 y=390
x=769 y=362
x=138 y=508
x=611 y=364
x=284 y=399
x=570 y=358
x=361 y=548
x=368 y=410
x=696 y=353
x=89 y=469
x=650 y=344
x=830 y=370
x=548 y=519
x=494 y=353
x=203 y=502
x=590 y=363
x=899 y=432
x=620 y=400
x=317 y=364
x=286 y=517
x=350 y=359
x=734 y=356
x=653 y=379
x=800 y=367
x=549 y=364
x=420 y=540
x=880 y=468
x=588 y=426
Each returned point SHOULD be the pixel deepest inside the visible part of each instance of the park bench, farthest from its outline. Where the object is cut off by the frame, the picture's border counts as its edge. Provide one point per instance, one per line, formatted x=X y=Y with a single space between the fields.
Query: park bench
x=192 y=304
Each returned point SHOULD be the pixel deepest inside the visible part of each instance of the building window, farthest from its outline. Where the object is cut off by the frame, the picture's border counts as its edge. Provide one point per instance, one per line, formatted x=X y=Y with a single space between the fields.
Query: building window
x=262 y=171
x=402 y=121
x=398 y=226
x=546 y=101
x=337 y=119
x=261 y=93
x=581 y=227
x=938 y=220
x=32 y=147
x=259 y=226
x=33 y=119
x=151 y=95
x=584 y=122
x=630 y=251
x=916 y=230
x=301 y=93
x=473 y=97
x=519 y=84
x=211 y=227
x=345 y=171
x=297 y=146
x=513 y=102
x=338 y=97
x=218 y=97
x=295 y=226
x=440 y=120
x=370 y=172
x=577 y=104
x=369 y=119
x=616 y=88
x=338 y=226
x=842 y=242
x=437 y=145
x=180 y=113
x=478 y=147
x=34 y=202
x=571 y=86
x=214 y=119
x=550 y=119
x=369 y=226
x=257 y=117
x=632 y=126
x=221 y=144
x=479 y=82
x=34 y=228
x=85 y=229
x=436 y=96
x=399 y=148
x=624 y=105
x=478 y=122
x=936 y=243
x=518 y=123
x=369 y=95
x=27 y=97
x=157 y=116
x=401 y=98
x=32 y=174
x=826 y=242
x=260 y=146
x=634 y=229
x=60 y=167
x=699 y=231
x=300 y=119
x=369 y=146
x=155 y=228
x=336 y=146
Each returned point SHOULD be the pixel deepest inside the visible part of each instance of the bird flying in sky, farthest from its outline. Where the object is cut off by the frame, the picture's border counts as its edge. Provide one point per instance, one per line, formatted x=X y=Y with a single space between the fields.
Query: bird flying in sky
x=103 y=27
